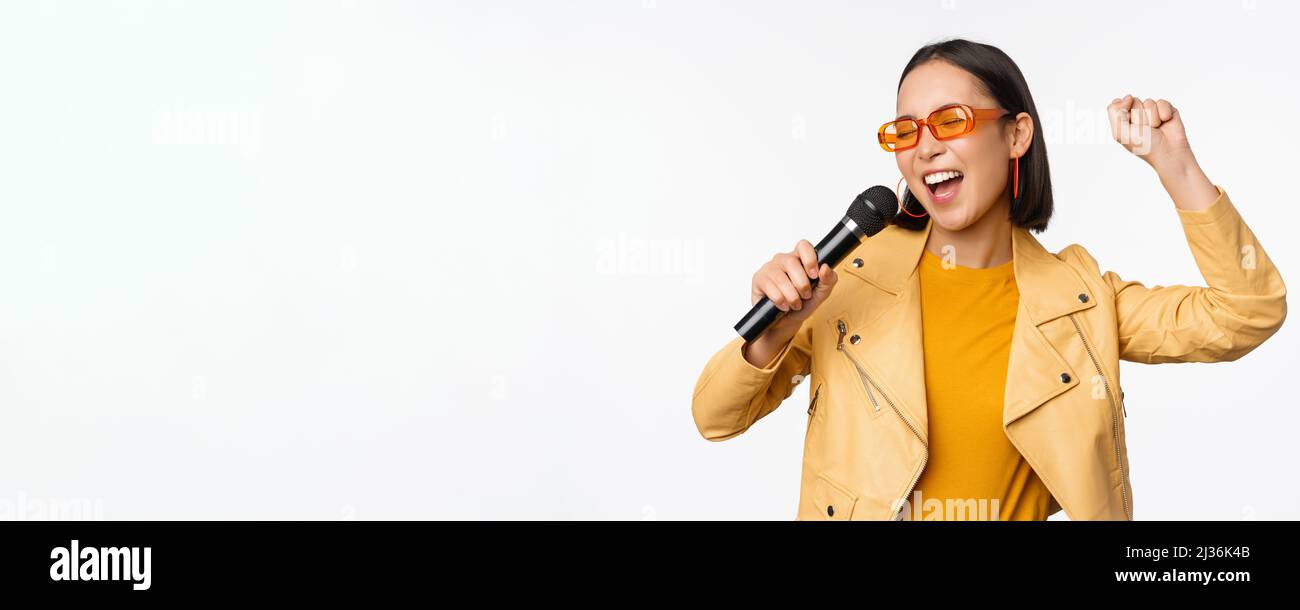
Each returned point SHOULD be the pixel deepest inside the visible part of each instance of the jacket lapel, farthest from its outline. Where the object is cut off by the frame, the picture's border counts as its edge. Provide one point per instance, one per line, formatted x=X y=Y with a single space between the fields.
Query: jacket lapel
x=1049 y=289
x=893 y=354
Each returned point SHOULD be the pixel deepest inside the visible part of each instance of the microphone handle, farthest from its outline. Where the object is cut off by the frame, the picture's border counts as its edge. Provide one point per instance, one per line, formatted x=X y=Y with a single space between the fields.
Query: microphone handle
x=837 y=244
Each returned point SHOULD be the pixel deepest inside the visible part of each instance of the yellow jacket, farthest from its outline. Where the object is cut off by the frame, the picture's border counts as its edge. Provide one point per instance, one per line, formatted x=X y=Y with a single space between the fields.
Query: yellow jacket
x=866 y=444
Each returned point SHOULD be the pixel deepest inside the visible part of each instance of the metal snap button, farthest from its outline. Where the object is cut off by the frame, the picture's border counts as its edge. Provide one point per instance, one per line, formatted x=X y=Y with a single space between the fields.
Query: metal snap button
x=1083 y=298
x=854 y=339
x=857 y=262
x=1065 y=378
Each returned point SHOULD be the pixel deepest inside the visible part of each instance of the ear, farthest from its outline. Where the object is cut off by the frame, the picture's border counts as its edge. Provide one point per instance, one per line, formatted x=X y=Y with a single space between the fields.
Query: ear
x=1022 y=134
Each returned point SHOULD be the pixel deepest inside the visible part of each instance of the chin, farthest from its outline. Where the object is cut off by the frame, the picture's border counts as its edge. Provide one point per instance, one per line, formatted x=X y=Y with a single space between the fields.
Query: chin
x=952 y=219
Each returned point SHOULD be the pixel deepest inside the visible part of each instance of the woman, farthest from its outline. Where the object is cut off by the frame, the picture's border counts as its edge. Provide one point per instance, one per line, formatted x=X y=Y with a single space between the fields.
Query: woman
x=963 y=371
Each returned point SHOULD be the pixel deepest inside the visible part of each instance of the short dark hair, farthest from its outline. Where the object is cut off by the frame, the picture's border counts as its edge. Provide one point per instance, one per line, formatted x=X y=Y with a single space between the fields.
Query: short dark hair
x=1000 y=79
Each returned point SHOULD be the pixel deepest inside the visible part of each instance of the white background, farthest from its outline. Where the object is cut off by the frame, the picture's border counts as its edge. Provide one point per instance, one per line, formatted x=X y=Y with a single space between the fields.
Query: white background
x=355 y=260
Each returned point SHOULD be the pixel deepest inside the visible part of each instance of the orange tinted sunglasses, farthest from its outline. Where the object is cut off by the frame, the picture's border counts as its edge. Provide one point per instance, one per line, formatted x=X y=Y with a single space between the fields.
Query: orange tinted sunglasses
x=951 y=121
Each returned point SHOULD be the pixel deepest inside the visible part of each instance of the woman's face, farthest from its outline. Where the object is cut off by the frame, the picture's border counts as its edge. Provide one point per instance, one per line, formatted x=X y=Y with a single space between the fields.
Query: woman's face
x=983 y=156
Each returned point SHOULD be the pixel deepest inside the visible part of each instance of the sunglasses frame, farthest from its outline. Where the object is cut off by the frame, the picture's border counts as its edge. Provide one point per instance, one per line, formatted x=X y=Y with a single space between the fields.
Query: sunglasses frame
x=977 y=114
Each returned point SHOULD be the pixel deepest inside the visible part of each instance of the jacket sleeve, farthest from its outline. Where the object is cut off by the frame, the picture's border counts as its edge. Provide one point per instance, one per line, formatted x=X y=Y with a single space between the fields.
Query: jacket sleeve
x=1242 y=304
x=731 y=394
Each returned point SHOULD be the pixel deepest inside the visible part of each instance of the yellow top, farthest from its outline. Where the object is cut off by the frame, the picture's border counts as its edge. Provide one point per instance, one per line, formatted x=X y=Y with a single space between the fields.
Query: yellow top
x=973 y=472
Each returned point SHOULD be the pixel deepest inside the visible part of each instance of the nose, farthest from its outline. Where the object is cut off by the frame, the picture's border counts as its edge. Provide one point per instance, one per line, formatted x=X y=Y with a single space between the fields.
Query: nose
x=926 y=145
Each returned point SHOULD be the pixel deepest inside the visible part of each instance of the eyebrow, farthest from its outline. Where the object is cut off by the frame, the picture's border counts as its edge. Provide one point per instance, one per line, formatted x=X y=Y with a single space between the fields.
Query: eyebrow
x=908 y=116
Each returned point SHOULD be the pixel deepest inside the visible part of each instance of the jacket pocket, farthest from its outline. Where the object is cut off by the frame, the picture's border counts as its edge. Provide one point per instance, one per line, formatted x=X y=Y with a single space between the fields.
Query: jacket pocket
x=812 y=404
x=812 y=412
x=844 y=338
x=834 y=501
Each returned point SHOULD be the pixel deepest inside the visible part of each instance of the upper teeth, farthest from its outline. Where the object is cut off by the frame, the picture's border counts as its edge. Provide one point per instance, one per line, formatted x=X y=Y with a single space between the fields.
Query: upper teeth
x=938 y=177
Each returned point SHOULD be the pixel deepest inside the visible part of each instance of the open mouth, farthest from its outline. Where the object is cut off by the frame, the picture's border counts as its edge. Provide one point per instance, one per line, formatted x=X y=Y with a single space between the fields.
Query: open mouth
x=943 y=186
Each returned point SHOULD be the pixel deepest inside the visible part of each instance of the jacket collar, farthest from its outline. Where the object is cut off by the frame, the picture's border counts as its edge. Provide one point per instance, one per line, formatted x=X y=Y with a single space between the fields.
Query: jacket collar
x=1049 y=289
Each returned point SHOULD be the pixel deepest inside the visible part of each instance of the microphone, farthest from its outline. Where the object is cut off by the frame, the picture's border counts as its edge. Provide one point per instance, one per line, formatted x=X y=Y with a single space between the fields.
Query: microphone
x=868 y=214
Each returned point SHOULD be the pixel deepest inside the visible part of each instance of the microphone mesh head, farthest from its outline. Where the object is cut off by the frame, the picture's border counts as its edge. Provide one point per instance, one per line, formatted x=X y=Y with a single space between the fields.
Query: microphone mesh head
x=874 y=208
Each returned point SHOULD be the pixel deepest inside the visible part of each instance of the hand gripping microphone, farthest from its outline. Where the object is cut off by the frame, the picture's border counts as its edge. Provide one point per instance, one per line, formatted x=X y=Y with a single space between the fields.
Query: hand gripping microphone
x=867 y=215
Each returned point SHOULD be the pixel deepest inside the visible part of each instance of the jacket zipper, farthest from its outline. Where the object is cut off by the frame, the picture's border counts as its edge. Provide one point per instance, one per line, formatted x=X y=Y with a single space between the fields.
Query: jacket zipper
x=867 y=383
x=1114 y=419
x=862 y=375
